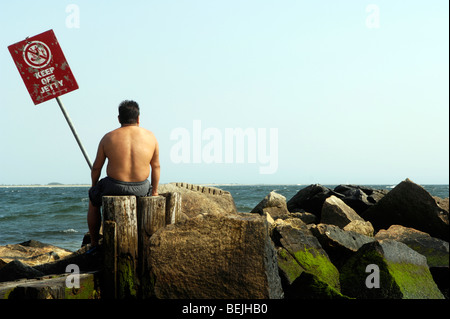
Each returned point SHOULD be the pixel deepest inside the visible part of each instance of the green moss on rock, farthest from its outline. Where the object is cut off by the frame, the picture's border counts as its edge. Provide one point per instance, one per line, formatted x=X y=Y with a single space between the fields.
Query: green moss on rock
x=403 y=273
x=319 y=265
x=288 y=266
x=414 y=281
x=309 y=286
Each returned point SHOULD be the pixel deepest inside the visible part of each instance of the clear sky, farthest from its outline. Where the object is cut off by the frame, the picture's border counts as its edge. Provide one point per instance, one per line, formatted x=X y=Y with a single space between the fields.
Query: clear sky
x=323 y=92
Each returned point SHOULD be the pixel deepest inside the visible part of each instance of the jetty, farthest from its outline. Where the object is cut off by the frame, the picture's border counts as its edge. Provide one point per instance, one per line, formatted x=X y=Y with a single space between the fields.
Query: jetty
x=350 y=242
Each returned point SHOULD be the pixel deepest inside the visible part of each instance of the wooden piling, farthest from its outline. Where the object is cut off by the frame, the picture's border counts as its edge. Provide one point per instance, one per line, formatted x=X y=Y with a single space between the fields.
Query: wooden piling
x=151 y=217
x=128 y=224
x=122 y=252
x=173 y=207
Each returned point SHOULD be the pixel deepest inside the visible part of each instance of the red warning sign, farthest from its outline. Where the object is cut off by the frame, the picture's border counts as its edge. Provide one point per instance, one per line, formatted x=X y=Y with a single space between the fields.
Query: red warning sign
x=43 y=67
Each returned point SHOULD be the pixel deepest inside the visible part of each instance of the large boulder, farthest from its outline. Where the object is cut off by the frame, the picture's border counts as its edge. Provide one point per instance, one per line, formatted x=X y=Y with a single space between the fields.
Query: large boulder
x=273 y=204
x=197 y=199
x=409 y=205
x=299 y=251
x=336 y=212
x=340 y=245
x=310 y=199
x=388 y=269
x=360 y=198
x=435 y=250
x=214 y=256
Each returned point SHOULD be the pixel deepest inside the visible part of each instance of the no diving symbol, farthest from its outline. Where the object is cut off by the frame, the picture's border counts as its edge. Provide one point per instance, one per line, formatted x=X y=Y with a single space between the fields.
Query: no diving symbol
x=37 y=54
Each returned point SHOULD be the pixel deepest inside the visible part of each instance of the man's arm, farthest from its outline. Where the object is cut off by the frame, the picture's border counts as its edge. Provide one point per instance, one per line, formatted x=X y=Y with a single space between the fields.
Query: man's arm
x=154 y=163
x=98 y=164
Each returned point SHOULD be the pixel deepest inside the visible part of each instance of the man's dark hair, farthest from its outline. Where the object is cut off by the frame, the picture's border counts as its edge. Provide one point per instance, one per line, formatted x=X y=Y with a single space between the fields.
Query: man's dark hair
x=128 y=112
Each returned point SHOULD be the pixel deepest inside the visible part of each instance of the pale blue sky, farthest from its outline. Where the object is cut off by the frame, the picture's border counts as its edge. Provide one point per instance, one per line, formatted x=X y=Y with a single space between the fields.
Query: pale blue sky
x=351 y=104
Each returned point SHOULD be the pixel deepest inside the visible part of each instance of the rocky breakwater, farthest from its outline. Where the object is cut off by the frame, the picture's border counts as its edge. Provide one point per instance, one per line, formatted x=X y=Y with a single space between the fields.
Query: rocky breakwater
x=35 y=270
x=321 y=244
x=357 y=242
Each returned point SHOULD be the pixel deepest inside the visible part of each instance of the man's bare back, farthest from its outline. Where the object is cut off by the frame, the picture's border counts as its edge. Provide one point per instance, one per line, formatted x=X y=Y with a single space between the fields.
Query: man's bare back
x=129 y=150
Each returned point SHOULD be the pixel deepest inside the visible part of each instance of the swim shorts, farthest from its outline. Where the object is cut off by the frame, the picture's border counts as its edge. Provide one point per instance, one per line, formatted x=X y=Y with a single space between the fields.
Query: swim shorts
x=111 y=187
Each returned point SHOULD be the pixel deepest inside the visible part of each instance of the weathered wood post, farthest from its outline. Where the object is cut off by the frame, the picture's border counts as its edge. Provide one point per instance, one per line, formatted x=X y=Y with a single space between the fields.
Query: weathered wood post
x=151 y=217
x=173 y=207
x=121 y=246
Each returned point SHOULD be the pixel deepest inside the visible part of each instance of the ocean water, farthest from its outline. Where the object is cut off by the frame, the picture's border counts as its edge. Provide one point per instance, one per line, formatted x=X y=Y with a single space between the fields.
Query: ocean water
x=57 y=215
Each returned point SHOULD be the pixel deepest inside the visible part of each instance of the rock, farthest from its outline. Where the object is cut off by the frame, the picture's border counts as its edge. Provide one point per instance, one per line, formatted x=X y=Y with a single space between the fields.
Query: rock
x=52 y=287
x=336 y=212
x=85 y=262
x=32 y=253
x=274 y=204
x=443 y=204
x=409 y=205
x=16 y=270
x=340 y=245
x=197 y=199
x=402 y=273
x=435 y=250
x=305 y=217
x=215 y=256
x=360 y=198
x=288 y=267
x=309 y=286
x=301 y=251
x=360 y=227
x=292 y=221
x=310 y=199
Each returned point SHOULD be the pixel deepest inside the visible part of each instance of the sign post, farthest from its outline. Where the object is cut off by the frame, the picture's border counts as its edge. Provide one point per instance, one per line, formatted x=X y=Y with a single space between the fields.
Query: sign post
x=46 y=73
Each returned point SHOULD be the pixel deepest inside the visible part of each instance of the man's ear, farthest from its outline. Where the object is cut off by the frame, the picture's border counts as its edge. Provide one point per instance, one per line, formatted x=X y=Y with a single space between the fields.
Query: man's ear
x=138 y=120
x=118 y=117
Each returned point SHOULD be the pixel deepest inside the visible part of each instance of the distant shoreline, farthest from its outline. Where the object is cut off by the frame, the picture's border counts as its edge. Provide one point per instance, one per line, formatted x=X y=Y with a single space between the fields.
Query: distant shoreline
x=44 y=186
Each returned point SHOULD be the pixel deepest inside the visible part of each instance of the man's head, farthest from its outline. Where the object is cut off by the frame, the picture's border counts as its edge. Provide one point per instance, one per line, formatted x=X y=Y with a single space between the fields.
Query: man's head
x=128 y=112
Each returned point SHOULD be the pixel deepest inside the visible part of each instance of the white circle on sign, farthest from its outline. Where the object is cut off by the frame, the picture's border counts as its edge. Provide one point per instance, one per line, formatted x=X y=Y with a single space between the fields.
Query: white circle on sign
x=37 y=54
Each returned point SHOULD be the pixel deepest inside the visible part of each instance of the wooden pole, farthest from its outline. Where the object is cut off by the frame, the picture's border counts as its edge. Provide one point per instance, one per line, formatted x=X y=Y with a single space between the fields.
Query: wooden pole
x=122 y=211
x=128 y=226
x=151 y=217
x=173 y=207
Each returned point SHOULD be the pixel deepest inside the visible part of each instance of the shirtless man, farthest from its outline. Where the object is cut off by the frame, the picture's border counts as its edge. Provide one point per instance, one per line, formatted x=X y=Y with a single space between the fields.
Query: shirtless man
x=130 y=151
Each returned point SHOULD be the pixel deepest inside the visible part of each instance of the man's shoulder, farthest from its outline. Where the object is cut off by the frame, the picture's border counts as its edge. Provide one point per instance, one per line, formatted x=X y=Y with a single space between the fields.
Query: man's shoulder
x=109 y=134
x=147 y=132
